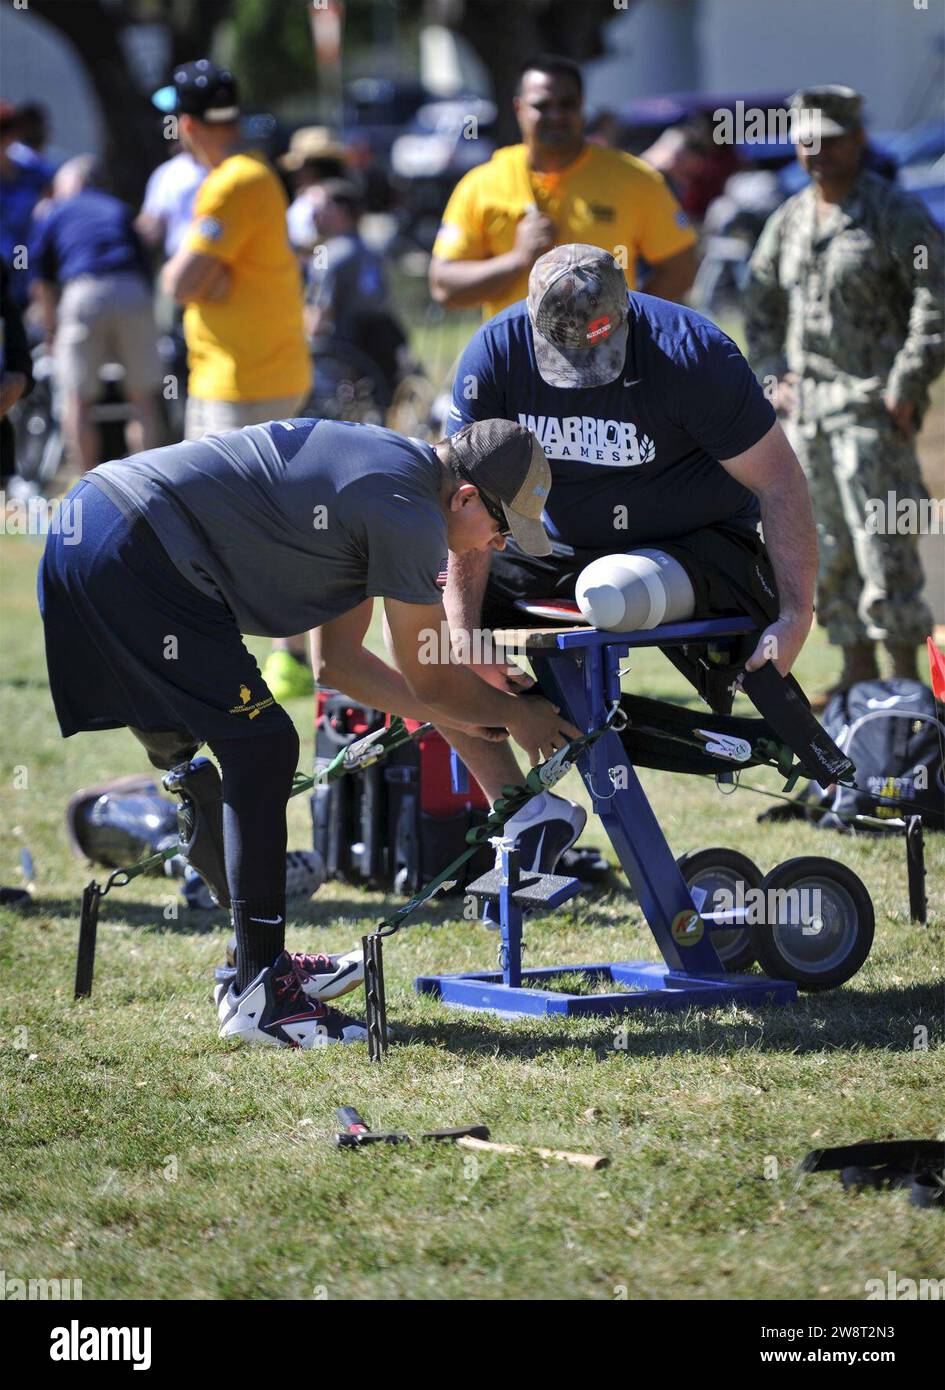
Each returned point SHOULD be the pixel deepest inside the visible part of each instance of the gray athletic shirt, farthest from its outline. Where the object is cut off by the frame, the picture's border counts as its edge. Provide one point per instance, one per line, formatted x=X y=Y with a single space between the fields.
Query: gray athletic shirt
x=294 y=522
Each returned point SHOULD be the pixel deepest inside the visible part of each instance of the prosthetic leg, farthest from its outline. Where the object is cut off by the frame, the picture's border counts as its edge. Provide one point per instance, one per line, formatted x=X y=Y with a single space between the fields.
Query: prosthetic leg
x=200 y=815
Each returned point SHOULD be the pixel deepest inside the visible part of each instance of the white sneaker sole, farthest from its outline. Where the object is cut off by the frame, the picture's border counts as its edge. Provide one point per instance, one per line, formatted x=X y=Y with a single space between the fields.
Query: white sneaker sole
x=245 y=1031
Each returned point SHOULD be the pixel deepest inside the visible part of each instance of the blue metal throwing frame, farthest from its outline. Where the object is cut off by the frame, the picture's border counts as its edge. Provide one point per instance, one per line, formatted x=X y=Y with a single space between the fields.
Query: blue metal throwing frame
x=580 y=670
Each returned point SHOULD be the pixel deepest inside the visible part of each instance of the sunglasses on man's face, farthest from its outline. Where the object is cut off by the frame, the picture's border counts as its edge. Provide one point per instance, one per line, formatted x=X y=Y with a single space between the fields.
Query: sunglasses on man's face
x=492 y=507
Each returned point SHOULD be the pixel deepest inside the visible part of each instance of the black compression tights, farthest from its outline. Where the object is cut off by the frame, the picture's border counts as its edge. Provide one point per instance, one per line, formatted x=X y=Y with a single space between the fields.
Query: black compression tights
x=257 y=778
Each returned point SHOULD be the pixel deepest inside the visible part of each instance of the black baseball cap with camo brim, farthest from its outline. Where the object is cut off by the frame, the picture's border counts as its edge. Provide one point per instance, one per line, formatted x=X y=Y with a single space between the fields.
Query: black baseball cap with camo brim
x=577 y=305
x=200 y=89
x=505 y=461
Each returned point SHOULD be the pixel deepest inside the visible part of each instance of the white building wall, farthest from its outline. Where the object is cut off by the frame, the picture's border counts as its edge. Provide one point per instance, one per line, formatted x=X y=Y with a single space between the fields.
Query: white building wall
x=888 y=49
x=651 y=50
x=891 y=50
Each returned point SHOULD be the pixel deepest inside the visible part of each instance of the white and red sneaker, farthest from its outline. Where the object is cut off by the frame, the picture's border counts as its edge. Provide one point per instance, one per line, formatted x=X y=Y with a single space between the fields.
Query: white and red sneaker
x=276 y=1010
x=326 y=977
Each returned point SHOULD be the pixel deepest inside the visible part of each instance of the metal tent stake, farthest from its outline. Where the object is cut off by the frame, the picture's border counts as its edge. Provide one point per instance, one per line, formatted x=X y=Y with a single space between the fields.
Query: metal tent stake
x=915 y=864
x=375 y=1001
x=88 y=927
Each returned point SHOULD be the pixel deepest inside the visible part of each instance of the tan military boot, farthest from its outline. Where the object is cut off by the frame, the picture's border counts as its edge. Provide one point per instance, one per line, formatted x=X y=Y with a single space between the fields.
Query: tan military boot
x=859 y=664
x=903 y=657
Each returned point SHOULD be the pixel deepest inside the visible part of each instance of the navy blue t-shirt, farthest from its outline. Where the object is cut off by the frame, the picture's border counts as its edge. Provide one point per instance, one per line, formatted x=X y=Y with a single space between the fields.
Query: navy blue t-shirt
x=90 y=234
x=648 y=443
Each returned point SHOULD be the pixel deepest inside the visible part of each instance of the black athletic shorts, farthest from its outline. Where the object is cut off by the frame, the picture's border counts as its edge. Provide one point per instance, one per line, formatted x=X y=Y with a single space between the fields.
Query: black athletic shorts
x=129 y=642
x=727 y=566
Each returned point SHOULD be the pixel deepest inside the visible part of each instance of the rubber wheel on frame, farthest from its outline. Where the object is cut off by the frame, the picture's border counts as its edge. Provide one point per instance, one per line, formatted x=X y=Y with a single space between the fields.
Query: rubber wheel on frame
x=714 y=869
x=820 y=942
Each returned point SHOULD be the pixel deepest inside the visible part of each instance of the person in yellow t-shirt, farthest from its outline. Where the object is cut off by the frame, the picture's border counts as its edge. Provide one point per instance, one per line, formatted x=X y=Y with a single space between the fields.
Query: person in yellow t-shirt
x=553 y=189
x=235 y=271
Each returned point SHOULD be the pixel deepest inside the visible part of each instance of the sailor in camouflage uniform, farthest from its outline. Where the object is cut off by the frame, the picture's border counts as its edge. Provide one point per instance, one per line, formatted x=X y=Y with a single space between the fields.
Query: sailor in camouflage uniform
x=843 y=316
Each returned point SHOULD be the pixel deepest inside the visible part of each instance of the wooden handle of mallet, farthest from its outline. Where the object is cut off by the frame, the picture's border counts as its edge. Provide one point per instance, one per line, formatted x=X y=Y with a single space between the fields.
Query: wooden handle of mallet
x=579 y=1160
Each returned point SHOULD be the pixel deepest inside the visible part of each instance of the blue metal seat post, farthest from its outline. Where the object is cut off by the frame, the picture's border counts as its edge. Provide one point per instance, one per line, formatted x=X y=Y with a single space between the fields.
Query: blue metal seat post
x=582 y=672
x=579 y=669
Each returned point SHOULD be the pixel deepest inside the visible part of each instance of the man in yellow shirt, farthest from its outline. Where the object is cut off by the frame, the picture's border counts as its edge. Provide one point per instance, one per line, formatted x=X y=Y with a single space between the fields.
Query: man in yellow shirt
x=238 y=276
x=553 y=189
x=234 y=271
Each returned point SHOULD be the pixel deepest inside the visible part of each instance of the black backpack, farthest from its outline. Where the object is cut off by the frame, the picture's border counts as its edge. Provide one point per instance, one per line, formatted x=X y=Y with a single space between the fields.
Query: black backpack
x=894 y=732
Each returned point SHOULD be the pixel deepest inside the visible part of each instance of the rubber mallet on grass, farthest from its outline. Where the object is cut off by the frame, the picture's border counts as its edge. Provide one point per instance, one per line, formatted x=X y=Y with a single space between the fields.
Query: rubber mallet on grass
x=356 y=1132
x=474 y=1137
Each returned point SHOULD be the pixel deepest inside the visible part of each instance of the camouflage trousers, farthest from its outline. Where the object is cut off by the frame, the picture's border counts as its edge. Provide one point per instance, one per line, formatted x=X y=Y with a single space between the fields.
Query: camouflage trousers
x=870 y=579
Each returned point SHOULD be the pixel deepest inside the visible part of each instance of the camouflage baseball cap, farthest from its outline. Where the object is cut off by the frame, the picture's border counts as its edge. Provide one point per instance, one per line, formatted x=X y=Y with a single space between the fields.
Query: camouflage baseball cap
x=505 y=461
x=577 y=304
x=824 y=111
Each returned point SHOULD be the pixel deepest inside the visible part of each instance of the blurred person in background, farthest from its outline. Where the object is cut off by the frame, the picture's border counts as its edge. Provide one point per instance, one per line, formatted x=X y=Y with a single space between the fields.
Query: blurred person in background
x=25 y=178
x=32 y=135
x=236 y=273
x=603 y=128
x=844 y=320
x=348 y=297
x=16 y=375
x=164 y=220
x=696 y=165
x=313 y=156
x=94 y=293
x=234 y=269
x=552 y=189
x=168 y=207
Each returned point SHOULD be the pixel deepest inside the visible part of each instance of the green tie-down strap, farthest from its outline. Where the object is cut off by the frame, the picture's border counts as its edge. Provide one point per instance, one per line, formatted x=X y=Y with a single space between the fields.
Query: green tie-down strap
x=673 y=739
x=539 y=779
x=354 y=757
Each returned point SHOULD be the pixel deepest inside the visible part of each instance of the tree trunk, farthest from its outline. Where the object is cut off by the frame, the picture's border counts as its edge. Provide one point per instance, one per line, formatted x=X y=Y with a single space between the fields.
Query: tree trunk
x=134 y=137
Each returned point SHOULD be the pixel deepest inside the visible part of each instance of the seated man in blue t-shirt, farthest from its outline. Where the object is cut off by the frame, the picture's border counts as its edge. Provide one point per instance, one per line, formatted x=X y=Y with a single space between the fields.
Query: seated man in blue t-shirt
x=657 y=434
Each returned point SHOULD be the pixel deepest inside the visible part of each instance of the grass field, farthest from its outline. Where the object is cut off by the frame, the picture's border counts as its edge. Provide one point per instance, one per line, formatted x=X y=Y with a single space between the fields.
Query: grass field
x=150 y=1160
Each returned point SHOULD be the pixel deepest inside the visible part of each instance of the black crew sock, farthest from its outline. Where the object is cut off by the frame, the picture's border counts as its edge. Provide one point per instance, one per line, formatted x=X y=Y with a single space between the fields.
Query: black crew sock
x=259 y=924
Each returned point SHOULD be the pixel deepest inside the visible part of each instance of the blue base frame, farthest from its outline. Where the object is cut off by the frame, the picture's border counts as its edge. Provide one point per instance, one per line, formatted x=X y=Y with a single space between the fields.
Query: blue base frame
x=653 y=986
x=581 y=673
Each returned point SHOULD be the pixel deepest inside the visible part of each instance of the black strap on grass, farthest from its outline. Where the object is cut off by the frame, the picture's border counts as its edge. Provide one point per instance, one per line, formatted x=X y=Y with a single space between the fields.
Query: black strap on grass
x=915 y=1164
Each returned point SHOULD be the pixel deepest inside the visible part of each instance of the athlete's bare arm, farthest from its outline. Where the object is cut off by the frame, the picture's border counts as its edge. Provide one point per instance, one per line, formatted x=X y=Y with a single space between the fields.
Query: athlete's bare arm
x=771 y=470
